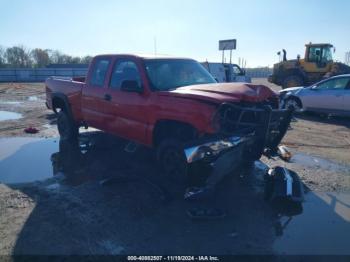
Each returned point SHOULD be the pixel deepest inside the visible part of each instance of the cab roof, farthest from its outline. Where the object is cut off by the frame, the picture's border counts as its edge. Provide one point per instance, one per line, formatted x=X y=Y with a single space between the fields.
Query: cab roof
x=319 y=44
x=145 y=56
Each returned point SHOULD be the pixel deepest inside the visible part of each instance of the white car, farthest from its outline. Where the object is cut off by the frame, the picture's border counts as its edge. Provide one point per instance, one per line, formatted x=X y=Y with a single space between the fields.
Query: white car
x=226 y=73
x=330 y=96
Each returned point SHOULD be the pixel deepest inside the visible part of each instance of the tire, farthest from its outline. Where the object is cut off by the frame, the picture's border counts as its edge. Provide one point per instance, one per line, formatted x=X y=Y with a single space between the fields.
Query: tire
x=172 y=160
x=67 y=129
x=293 y=103
x=291 y=81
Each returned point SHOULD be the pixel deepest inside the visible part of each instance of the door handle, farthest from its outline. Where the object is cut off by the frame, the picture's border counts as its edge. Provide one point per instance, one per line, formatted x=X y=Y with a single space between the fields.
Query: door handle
x=107 y=97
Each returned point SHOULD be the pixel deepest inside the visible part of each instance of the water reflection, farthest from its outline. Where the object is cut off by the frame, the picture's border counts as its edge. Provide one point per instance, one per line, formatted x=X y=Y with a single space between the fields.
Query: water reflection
x=93 y=157
x=285 y=211
x=7 y=115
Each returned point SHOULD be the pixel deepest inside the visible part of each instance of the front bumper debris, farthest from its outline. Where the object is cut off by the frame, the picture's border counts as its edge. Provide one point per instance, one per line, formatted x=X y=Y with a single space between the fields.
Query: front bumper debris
x=258 y=134
x=212 y=149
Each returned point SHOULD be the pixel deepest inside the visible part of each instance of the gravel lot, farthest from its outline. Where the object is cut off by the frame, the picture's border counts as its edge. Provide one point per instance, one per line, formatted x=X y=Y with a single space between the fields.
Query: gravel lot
x=66 y=206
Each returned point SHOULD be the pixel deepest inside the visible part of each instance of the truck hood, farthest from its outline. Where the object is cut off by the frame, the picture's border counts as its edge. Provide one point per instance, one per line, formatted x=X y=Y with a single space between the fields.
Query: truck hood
x=223 y=92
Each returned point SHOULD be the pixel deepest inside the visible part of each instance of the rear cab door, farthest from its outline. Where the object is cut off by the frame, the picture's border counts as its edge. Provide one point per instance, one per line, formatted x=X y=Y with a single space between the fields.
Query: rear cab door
x=94 y=96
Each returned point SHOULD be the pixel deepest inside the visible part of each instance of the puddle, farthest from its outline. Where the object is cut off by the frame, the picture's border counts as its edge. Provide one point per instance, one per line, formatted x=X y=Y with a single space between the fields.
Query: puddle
x=26 y=159
x=321 y=227
x=10 y=102
x=33 y=98
x=7 y=115
x=318 y=162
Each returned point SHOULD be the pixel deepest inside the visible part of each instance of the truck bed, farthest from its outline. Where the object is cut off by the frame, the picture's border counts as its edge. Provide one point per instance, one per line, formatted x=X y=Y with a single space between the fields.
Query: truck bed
x=70 y=87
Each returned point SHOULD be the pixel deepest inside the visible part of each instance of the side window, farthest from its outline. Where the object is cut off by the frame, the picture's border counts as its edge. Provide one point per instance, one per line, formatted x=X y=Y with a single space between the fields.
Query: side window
x=99 y=72
x=337 y=83
x=341 y=83
x=315 y=54
x=122 y=71
x=326 y=85
x=236 y=70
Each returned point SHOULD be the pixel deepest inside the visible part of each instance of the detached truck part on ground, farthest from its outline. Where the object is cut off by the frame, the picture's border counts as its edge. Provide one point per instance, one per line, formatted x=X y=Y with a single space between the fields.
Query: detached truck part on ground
x=173 y=105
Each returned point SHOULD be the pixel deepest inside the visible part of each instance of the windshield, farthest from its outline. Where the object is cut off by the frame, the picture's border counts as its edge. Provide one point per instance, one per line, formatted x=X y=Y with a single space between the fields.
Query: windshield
x=167 y=74
x=327 y=54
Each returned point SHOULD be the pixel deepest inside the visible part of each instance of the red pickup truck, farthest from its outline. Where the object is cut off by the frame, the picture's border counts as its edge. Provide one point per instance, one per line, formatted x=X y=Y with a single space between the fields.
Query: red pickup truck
x=173 y=105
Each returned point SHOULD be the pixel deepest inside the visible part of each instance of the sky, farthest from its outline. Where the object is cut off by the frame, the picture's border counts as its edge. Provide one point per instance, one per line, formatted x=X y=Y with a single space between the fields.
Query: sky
x=183 y=28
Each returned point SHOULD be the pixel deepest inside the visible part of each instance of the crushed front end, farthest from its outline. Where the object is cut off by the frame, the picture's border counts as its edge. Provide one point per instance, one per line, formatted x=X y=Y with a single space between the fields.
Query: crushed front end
x=244 y=133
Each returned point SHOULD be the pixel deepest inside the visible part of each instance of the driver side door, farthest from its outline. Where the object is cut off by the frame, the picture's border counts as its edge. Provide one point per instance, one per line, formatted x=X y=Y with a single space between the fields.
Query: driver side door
x=126 y=110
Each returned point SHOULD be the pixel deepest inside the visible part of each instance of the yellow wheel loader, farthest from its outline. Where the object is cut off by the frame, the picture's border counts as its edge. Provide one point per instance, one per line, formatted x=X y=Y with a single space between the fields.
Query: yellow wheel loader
x=316 y=65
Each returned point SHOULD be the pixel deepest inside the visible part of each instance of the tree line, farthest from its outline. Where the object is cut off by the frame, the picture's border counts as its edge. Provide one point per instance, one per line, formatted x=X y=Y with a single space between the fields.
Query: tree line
x=20 y=56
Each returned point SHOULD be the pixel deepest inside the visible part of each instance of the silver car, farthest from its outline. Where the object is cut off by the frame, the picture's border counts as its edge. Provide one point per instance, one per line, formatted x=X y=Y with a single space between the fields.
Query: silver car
x=330 y=96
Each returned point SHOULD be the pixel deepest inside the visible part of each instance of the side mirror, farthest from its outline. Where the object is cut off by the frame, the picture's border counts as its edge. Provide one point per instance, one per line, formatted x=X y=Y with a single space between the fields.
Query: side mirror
x=242 y=72
x=131 y=86
x=314 y=88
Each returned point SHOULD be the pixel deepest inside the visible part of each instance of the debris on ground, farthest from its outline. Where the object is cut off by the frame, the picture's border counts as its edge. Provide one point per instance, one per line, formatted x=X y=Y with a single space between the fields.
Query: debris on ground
x=284 y=153
x=31 y=130
x=115 y=180
x=233 y=234
x=283 y=184
x=195 y=193
x=198 y=213
x=131 y=147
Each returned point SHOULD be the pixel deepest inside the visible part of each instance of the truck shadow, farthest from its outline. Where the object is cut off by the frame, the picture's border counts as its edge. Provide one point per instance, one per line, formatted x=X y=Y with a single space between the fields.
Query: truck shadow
x=320 y=118
x=102 y=200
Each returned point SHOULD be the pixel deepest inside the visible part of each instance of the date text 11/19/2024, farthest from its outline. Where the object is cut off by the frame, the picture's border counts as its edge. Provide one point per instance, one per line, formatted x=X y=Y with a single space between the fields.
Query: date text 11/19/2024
x=173 y=258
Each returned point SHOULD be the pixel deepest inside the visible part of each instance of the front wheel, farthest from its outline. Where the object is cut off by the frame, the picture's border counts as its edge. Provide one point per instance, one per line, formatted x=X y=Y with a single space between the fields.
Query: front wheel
x=67 y=129
x=172 y=160
x=294 y=104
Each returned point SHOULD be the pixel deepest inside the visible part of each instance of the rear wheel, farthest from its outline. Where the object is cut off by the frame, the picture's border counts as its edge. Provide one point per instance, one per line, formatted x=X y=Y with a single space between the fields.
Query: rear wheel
x=291 y=81
x=67 y=129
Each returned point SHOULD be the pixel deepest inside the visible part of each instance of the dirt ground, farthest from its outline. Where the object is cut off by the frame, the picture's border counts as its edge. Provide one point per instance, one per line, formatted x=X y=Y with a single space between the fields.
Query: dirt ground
x=98 y=199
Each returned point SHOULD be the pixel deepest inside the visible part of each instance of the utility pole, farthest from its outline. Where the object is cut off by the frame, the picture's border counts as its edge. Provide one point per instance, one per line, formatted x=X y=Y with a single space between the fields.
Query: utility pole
x=155 y=45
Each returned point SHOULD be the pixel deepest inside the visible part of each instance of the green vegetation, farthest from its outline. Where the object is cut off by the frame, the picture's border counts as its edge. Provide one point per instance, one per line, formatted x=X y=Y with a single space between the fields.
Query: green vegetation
x=22 y=57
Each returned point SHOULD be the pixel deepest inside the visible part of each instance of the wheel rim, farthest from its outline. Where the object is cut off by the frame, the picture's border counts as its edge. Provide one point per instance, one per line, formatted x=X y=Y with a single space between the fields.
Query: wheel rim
x=293 y=104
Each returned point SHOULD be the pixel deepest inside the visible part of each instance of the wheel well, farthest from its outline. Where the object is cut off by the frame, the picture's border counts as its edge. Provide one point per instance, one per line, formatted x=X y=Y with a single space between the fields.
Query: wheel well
x=58 y=103
x=175 y=129
x=297 y=99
